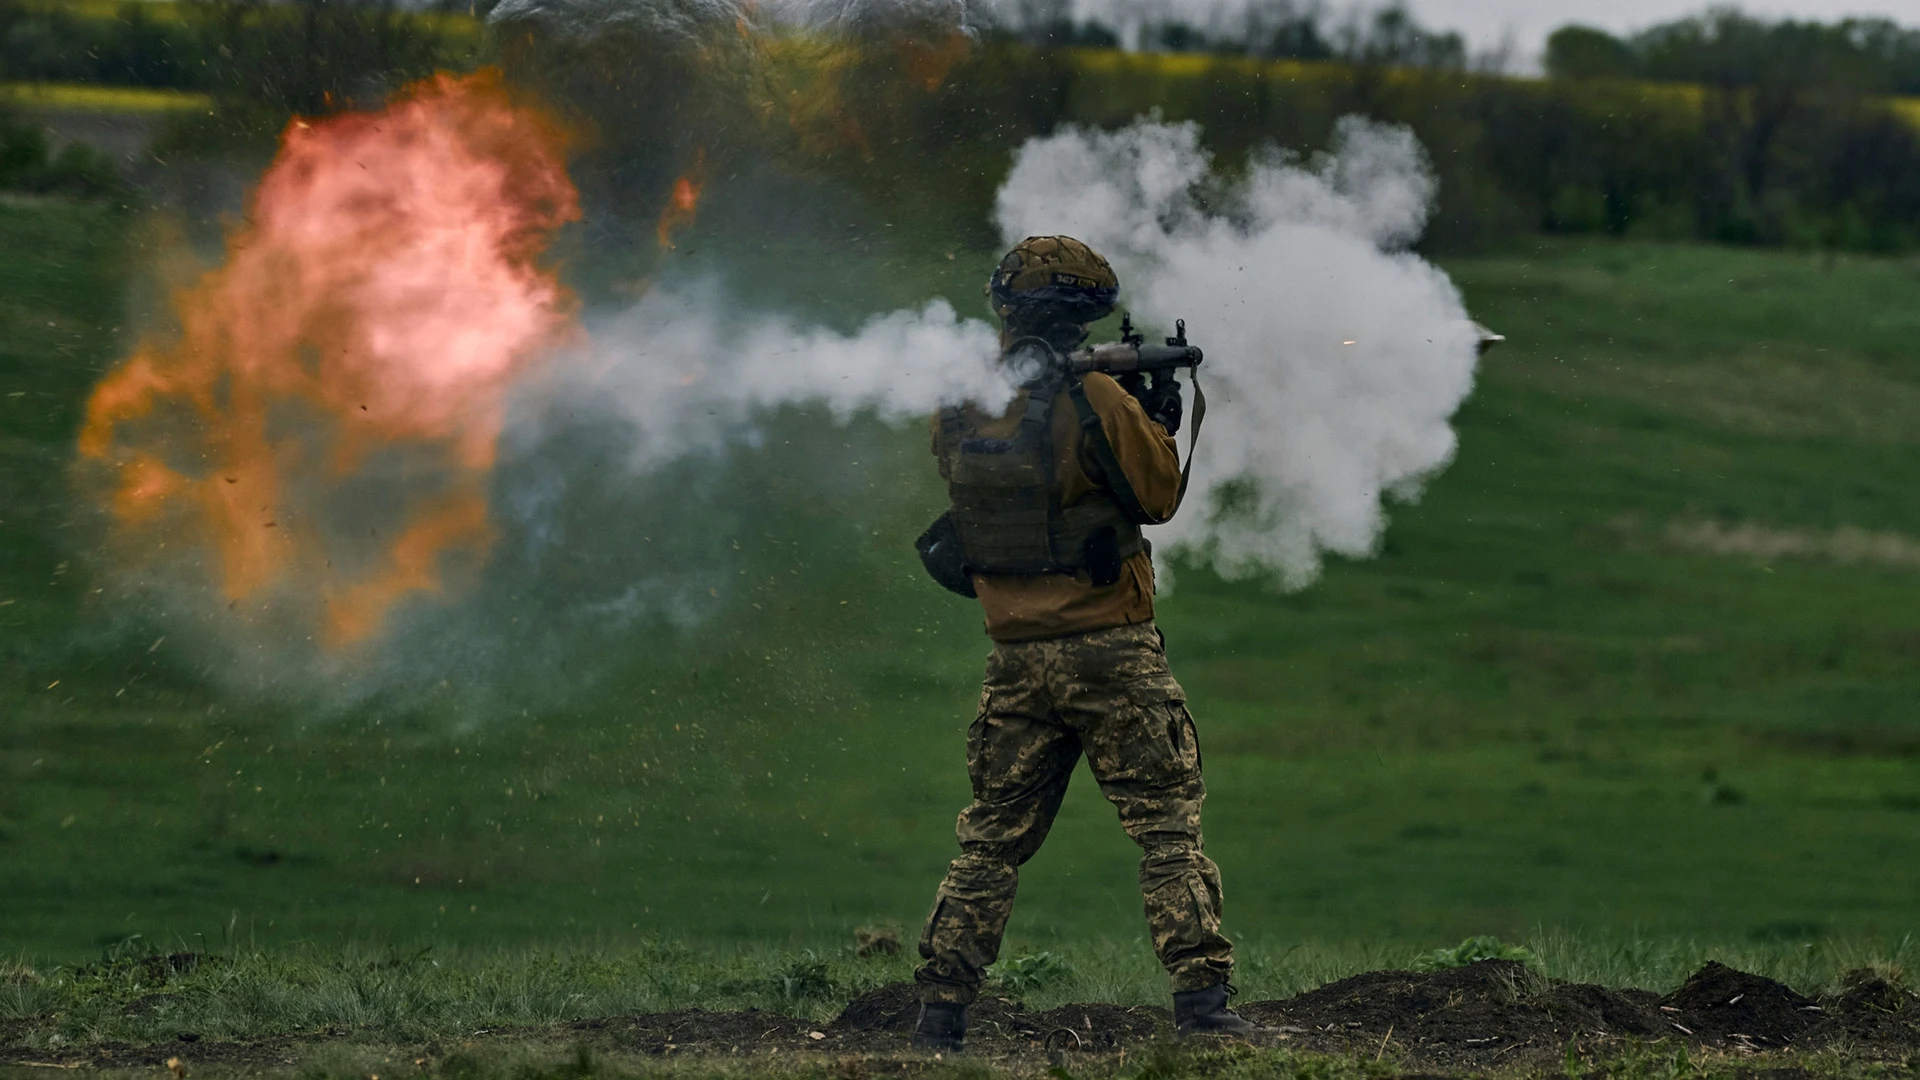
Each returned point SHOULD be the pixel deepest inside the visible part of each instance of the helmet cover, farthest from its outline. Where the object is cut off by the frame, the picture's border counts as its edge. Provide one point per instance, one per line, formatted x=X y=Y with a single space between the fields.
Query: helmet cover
x=1052 y=280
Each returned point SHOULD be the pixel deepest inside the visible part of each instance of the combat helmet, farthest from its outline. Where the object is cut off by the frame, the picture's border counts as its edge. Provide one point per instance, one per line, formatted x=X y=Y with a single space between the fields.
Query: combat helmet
x=1047 y=282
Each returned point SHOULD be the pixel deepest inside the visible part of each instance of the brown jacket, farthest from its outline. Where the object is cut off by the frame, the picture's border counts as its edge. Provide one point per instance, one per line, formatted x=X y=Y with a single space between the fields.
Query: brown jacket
x=1028 y=607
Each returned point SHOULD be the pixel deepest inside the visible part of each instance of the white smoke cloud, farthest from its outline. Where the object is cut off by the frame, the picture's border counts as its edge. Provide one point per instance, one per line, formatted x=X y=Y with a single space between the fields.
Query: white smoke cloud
x=1335 y=359
x=858 y=16
x=692 y=374
x=681 y=22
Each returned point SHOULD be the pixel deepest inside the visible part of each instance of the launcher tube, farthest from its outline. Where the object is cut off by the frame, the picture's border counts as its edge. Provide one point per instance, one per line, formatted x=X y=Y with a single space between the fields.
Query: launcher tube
x=1119 y=359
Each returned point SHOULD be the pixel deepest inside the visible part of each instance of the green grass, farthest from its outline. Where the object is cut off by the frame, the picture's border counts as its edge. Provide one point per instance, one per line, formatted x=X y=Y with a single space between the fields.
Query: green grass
x=359 y=1011
x=387 y=995
x=1538 y=714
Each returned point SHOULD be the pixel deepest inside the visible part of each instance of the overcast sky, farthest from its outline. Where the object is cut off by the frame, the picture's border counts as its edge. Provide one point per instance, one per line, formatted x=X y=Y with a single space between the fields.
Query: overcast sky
x=1530 y=21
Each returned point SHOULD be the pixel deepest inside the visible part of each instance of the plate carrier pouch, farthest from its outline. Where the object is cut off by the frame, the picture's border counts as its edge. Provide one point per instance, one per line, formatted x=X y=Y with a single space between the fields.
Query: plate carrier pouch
x=1006 y=509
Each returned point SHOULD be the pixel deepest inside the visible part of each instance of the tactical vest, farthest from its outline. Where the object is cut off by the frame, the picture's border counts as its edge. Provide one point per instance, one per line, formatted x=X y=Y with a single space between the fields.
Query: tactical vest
x=1005 y=503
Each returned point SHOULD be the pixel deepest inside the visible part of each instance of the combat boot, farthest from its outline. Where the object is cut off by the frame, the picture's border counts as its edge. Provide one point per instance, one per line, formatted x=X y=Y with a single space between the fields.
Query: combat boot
x=1205 y=1012
x=942 y=1027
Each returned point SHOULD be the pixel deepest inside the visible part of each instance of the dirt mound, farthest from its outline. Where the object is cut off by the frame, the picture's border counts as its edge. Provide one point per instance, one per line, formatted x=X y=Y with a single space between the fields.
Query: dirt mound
x=1497 y=1009
x=1103 y=1027
x=1719 y=1005
x=894 y=1007
x=1596 y=1010
x=1868 y=1011
x=1379 y=999
x=1467 y=1015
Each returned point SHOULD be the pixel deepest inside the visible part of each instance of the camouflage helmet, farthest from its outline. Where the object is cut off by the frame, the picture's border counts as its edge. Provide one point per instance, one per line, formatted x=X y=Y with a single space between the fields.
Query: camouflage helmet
x=1053 y=279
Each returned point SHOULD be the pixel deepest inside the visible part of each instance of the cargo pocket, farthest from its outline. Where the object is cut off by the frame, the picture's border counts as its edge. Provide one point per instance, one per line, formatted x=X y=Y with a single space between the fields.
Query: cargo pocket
x=930 y=937
x=977 y=744
x=1185 y=739
x=1154 y=743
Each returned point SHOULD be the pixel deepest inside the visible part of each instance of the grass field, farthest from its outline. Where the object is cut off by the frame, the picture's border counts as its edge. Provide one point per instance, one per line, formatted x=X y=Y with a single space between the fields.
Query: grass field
x=1637 y=682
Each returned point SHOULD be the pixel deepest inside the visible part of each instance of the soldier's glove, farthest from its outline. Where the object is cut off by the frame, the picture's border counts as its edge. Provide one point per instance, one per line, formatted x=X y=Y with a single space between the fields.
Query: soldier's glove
x=1133 y=383
x=1162 y=404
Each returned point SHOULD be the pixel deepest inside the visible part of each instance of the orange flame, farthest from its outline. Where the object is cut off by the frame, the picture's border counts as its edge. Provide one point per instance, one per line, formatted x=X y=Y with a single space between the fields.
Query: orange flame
x=347 y=367
x=678 y=214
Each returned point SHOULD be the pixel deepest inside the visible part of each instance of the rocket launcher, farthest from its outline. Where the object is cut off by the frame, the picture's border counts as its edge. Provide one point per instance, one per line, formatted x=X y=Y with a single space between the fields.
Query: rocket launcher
x=1130 y=360
x=1132 y=355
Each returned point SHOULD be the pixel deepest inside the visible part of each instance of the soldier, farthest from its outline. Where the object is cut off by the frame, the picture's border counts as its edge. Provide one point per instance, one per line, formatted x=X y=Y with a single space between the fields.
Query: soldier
x=1047 y=504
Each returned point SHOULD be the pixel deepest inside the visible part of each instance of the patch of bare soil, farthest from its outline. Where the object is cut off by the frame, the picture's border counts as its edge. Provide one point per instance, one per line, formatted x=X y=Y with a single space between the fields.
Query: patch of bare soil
x=885 y=1017
x=1497 y=1012
x=1869 y=1011
x=263 y=1054
x=1718 y=1005
x=1476 y=1016
x=698 y=1029
x=1491 y=1014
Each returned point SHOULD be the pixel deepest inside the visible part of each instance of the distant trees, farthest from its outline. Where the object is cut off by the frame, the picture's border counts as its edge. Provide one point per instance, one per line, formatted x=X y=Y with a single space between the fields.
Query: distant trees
x=313 y=56
x=1387 y=36
x=1390 y=37
x=1800 y=140
x=1287 y=31
x=1721 y=127
x=1722 y=47
x=1726 y=47
x=260 y=60
x=1582 y=52
x=295 y=55
x=46 y=42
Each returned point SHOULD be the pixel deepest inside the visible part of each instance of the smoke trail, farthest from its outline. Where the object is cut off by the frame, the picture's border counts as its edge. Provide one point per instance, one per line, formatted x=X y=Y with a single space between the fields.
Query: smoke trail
x=1335 y=357
x=692 y=374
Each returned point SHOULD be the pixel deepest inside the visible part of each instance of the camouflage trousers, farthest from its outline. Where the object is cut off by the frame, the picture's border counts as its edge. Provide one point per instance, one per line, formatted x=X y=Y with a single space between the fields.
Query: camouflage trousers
x=1109 y=695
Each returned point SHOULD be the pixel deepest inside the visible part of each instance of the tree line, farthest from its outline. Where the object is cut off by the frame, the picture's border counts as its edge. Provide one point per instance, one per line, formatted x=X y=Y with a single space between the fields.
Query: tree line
x=1726 y=47
x=303 y=56
x=1721 y=127
x=1272 y=29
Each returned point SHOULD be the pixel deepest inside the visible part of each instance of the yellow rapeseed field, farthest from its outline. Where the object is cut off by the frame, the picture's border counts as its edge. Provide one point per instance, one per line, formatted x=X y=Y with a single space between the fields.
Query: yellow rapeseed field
x=93 y=97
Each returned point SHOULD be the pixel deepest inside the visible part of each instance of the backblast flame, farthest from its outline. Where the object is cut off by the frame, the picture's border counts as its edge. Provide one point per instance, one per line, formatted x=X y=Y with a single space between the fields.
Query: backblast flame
x=321 y=429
